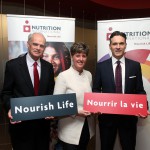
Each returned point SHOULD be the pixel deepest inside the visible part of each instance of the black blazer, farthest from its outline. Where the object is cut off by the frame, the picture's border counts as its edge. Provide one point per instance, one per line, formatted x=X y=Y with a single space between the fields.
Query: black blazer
x=104 y=82
x=104 y=78
x=17 y=81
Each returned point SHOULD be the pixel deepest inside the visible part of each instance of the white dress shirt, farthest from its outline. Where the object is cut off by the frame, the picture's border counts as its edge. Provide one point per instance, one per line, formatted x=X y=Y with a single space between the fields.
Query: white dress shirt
x=30 y=63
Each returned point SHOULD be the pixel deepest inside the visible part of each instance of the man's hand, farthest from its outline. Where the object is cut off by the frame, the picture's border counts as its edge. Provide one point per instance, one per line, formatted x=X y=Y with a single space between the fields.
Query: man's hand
x=141 y=116
x=11 y=118
x=148 y=112
x=49 y=118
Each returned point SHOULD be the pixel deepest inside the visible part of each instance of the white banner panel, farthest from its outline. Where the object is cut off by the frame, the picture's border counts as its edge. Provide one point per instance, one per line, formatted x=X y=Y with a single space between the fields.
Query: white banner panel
x=138 y=49
x=137 y=31
x=59 y=33
x=55 y=29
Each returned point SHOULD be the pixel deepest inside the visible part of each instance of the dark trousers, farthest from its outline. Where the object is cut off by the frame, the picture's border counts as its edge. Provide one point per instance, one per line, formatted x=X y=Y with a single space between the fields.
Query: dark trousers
x=125 y=126
x=31 y=135
x=84 y=139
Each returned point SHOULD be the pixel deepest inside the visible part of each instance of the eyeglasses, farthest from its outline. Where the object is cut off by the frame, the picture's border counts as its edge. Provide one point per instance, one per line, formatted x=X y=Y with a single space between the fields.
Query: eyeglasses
x=36 y=44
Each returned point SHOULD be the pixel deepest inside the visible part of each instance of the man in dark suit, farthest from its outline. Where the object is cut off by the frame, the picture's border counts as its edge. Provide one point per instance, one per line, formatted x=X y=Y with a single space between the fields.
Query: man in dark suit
x=131 y=83
x=19 y=82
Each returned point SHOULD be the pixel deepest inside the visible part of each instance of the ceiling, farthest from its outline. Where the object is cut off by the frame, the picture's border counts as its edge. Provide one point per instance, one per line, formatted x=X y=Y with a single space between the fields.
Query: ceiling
x=91 y=10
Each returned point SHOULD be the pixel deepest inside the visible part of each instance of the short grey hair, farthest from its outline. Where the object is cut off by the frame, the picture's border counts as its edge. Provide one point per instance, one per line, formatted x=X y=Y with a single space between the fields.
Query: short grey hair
x=30 y=36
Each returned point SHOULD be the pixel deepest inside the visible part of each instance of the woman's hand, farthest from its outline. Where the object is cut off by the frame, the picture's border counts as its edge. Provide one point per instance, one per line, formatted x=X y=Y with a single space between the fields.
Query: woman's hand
x=84 y=113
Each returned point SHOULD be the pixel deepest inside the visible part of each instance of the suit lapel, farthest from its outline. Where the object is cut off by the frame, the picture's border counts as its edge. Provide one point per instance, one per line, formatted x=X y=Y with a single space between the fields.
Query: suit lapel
x=111 y=73
x=43 y=73
x=127 y=68
x=25 y=72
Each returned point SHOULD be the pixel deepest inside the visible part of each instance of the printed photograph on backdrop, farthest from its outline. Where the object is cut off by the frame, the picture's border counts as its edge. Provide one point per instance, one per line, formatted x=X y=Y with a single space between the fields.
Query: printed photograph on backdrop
x=57 y=53
x=16 y=48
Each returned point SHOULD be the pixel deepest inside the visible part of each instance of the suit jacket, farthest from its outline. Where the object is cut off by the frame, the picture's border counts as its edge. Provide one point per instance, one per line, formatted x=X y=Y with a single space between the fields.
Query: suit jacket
x=104 y=82
x=17 y=81
x=104 y=78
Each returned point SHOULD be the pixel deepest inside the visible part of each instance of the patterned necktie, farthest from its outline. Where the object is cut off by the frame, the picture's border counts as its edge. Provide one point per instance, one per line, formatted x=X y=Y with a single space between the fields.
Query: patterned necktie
x=118 y=78
x=36 y=79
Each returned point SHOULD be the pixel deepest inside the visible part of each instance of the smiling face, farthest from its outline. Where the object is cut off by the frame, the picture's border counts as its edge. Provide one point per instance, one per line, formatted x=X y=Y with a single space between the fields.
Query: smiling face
x=79 y=61
x=52 y=56
x=36 y=46
x=117 y=46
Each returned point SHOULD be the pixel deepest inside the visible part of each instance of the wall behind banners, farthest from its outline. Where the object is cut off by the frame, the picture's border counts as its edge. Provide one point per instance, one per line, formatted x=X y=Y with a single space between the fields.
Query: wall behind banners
x=81 y=34
x=138 y=49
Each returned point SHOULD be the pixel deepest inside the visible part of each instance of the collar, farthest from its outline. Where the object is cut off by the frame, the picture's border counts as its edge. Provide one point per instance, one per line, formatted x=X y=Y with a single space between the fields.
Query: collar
x=31 y=61
x=114 y=60
x=77 y=72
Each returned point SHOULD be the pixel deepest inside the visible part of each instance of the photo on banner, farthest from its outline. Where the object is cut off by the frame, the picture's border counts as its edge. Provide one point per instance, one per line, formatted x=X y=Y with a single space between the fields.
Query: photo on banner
x=59 y=33
x=56 y=53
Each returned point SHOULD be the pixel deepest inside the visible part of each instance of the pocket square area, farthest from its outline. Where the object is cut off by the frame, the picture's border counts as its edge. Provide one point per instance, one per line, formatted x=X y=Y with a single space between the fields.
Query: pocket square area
x=132 y=77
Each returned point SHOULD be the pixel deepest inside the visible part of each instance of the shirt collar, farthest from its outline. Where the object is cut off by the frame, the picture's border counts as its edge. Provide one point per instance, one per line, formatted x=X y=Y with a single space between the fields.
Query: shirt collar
x=31 y=61
x=122 y=60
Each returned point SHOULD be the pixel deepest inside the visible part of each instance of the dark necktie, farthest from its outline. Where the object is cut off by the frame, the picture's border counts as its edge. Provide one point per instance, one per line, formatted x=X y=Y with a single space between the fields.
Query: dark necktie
x=118 y=78
x=36 y=79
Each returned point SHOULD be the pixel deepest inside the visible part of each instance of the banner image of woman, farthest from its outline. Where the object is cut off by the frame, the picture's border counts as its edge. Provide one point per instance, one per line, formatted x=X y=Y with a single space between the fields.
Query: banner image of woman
x=58 y=55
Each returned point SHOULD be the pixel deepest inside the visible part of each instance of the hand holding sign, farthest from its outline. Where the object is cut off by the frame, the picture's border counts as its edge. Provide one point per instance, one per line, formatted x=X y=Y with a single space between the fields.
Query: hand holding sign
x=83 y=113
x=11 y=118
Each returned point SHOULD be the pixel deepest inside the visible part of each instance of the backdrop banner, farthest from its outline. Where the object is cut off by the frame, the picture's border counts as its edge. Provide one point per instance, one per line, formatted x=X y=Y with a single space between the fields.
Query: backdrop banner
x=138 y=49
x=59 y=33
x=55 y=29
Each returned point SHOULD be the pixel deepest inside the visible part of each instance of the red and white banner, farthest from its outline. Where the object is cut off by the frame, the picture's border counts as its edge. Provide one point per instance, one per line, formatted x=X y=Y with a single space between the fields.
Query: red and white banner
x=138 y=43
x=55 y=29
x=138 y=49
x=59 y=33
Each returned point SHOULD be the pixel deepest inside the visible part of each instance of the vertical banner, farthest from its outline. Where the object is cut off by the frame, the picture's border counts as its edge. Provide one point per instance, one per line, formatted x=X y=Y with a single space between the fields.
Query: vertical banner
x=59 y=33
x=138 y=49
